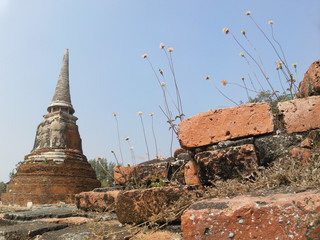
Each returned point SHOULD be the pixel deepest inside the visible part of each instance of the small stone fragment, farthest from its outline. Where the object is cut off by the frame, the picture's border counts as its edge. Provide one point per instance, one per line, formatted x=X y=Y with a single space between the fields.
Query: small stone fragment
x=310 y=85
x=191 y=173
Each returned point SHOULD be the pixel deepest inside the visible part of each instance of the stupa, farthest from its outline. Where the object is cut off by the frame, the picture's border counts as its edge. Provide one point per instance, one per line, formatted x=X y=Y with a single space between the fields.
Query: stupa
x=56 y=168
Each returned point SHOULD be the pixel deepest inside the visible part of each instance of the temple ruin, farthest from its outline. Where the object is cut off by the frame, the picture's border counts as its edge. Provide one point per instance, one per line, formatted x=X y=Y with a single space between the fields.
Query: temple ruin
x=56 y=168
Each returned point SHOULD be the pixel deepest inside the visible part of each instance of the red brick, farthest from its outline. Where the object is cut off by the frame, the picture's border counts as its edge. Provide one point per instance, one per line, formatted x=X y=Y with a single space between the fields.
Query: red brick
x=314 y=230
x=178 y=151
x=140 y=205
x=306 y=143
x=310 y=85
x=49 y=182
x=300 y=115
x=22 y=199
x=229 y=123
x=141 y=174
x=226 y=163
x=97 y=201
x=280 y=216
x=191 y=173
x=300 y=154
x=122 y=174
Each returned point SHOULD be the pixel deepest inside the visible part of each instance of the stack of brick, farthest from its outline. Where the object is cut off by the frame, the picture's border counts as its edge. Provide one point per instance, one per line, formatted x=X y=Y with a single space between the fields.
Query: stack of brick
x=152 y=173
x=232 y=142
x=235 y=141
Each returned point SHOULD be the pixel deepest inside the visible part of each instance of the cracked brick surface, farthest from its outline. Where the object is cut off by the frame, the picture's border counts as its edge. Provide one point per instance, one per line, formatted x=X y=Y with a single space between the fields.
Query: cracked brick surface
x=300 y=115
x=97 y=201
x=229 y=123
x=227 y=163
x=140 y=205
x=310 y=84
x=278 y=216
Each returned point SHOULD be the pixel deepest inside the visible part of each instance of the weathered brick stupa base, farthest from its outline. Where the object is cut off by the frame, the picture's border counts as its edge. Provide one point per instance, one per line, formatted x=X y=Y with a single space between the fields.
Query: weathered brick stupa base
x=50 y=182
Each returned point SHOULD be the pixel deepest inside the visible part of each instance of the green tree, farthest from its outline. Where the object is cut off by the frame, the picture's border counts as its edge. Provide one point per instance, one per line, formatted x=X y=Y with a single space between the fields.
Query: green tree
x=104 y=171
x=12 y=174
x=267 y=96
x=3 y=187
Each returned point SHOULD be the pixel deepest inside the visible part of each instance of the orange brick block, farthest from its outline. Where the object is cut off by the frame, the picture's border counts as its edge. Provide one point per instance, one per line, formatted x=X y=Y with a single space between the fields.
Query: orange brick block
x=276 y=216
x=229 y=123
x=300 y=115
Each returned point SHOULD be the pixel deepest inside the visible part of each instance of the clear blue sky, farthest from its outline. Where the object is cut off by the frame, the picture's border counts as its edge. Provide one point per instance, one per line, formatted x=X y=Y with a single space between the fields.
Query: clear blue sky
x=107 y=73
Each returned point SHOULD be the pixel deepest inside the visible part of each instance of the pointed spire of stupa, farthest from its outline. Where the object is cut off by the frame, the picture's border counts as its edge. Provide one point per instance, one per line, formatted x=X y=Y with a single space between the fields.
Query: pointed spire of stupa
x=61 y=99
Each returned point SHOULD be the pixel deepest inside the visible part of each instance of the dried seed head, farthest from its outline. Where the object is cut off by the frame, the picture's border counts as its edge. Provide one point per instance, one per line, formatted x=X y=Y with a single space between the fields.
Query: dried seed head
x=114 y=114
x=127 y=138
x=144 y=55
x=279 y=62
x=225 y=30
x=243 y=32
x=241 y=54
x=162 y=84
x=270 y=22
x=224 y=82
x=248 y=13
x=151 y=114
x=162 y=45
x=207 y=77
x=139 y=113
x=294 y=65
x=170 y=49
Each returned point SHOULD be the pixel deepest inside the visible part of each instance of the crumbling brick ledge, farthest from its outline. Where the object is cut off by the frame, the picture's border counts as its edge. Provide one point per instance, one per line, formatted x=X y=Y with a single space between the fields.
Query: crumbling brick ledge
x=279 y=216
x=233 y=143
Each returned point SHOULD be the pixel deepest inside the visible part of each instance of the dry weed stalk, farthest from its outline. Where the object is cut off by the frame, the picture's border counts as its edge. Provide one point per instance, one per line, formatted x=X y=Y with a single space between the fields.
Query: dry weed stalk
x=154 y=135
x=282 y=65
x=165 y=92
x=115 y=117
x=253 y=59
x=144 y=133
x=208 y=78
x=133 y=158
x=103 y=168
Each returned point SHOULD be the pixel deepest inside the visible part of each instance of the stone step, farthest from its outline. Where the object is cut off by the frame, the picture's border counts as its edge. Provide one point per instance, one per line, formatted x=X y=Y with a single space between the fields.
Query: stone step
x=21 y=199
x=42 y=213
x=28 y=230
